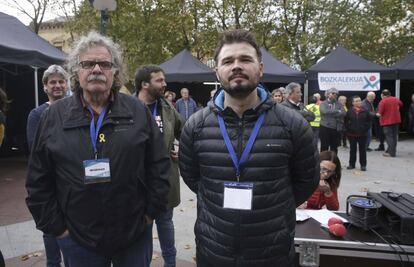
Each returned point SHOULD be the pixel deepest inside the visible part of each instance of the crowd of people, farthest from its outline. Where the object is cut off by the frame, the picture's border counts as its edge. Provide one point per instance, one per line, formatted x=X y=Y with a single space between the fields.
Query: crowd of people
x=105 y=166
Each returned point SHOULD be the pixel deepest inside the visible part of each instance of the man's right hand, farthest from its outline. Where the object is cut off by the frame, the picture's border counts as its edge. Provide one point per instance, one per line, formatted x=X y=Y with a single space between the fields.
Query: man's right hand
x=65 y=234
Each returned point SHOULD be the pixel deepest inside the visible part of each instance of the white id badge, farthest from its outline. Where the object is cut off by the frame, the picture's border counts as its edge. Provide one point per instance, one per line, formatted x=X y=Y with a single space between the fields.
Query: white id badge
x=238 y=196
x=97 y=171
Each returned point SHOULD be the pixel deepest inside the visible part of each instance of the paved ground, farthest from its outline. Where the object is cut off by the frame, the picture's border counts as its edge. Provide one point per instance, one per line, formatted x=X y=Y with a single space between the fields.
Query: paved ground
x=18 y=236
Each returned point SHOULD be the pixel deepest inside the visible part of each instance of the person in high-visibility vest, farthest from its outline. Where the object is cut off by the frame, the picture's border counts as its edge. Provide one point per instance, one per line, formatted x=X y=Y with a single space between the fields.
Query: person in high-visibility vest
x=314 y=108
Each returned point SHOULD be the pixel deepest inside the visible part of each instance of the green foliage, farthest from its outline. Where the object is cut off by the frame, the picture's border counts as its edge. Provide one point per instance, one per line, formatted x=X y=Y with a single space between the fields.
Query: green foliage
x=298 y=32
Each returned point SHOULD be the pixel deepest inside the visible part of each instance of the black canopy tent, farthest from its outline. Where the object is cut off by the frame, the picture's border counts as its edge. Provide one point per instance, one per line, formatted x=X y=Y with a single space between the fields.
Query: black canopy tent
x=277 y=72
x=185 y=68
x=20 y=46
x=342 y=60
x=405 y=67
x=22 y=54
x=405 y=71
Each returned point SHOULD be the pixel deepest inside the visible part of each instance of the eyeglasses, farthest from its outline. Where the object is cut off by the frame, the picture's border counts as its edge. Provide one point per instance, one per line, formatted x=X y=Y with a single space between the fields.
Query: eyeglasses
x=329 y=172
x=89 y=64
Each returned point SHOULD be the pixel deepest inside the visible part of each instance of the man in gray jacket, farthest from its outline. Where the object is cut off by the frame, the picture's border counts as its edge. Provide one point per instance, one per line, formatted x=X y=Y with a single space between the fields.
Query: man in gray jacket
x=332 y=121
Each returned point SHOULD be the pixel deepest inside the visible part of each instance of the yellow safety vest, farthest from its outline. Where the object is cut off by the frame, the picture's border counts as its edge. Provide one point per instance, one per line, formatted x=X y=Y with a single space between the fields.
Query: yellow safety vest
x=315 y=110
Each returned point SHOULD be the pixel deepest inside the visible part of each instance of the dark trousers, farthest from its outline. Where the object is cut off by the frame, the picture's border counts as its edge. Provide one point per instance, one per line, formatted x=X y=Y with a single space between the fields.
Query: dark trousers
x=369 y=138
x=315 y=131
x=2 y=264
x=343 y=138
x=379 y=132
x=330 y=139
x=53 y=257
x=138 y=254
x=391 y=136
x=361 y=141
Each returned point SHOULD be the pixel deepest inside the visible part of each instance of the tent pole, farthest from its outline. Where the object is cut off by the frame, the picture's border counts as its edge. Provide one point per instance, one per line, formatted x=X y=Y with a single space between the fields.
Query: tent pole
x=397 y=88
x=306 y=92
x=36 y=86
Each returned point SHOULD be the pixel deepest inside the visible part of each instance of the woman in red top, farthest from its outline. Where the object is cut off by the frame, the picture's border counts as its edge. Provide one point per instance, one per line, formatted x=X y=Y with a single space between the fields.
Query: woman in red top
x=330 y=176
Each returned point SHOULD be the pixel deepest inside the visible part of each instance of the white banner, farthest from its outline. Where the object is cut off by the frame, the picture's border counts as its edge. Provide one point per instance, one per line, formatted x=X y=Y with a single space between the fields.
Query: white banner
x=349 y=81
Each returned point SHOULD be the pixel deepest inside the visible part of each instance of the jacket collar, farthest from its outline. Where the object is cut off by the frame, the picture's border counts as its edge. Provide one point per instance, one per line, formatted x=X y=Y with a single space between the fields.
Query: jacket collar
x=77 y=116
x=265 y=101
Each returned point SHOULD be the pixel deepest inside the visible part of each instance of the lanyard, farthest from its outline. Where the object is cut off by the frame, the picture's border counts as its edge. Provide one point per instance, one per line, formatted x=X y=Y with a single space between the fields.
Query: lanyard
x=154 y=111
x=94 y=131
x=237 y=163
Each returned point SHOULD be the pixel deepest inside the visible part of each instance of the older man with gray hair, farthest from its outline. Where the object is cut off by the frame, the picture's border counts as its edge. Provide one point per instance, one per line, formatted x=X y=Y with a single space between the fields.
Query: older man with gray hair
x=55 y=81
x=293 y=101
x=332 y=121
x=368 y=105
x=98 y=172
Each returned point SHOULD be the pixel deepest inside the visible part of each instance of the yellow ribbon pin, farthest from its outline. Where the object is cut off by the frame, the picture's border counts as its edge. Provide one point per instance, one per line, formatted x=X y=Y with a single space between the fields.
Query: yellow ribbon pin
x=101 y=138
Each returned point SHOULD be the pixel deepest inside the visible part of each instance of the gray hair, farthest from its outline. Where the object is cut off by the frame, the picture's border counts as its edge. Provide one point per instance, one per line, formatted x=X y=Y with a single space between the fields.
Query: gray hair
x=52 y=70
x=370 y=93
x=331 y=90
x=291 y=87
x=94 y=39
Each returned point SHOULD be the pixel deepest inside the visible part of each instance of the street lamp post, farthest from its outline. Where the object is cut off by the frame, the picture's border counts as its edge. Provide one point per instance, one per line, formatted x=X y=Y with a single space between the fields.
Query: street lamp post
x=104 y=6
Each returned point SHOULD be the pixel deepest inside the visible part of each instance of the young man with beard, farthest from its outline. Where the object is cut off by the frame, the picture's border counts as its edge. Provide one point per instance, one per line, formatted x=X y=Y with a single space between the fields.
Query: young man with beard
x=150 y=84
x=250 y=161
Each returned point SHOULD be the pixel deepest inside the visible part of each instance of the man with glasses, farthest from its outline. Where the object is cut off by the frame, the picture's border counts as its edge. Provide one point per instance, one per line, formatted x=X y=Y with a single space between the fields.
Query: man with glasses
x=98 y=173
x=332 y=121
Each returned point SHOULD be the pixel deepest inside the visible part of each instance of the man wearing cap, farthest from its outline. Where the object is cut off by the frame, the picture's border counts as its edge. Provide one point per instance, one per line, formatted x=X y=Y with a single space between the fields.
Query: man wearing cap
x=332 y=121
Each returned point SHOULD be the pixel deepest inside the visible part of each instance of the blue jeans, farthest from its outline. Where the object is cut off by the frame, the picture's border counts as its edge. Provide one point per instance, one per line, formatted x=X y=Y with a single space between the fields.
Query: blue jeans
x=53 y=257
x=138 y=254
x=165 y=228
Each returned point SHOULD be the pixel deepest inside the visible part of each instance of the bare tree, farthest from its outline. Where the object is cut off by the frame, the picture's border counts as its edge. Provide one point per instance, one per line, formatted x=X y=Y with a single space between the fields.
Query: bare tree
x=34 y=9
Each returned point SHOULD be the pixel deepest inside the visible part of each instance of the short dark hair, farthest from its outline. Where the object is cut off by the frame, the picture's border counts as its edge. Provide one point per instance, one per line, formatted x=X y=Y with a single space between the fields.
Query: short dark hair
x=386 y=92
x=237 y=36
x=143 y=74
x=313 y=99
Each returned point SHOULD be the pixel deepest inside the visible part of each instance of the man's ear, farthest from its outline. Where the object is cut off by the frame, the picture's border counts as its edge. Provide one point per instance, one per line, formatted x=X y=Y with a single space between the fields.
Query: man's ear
x=217 y=76
x=144 y=84
x=261 y=69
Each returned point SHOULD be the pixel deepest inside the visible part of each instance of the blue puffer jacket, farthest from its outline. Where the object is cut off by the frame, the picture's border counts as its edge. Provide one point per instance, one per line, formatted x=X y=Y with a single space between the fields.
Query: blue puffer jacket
x=283 y=166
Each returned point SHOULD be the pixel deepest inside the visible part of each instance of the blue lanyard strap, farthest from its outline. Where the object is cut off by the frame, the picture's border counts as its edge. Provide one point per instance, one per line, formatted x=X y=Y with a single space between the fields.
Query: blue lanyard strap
x=154 y=110
x=94 y=131
x=237 y=163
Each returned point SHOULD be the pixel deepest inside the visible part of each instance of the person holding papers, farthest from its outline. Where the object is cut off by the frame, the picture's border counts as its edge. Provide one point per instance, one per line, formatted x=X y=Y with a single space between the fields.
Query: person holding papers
x=327 y=192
